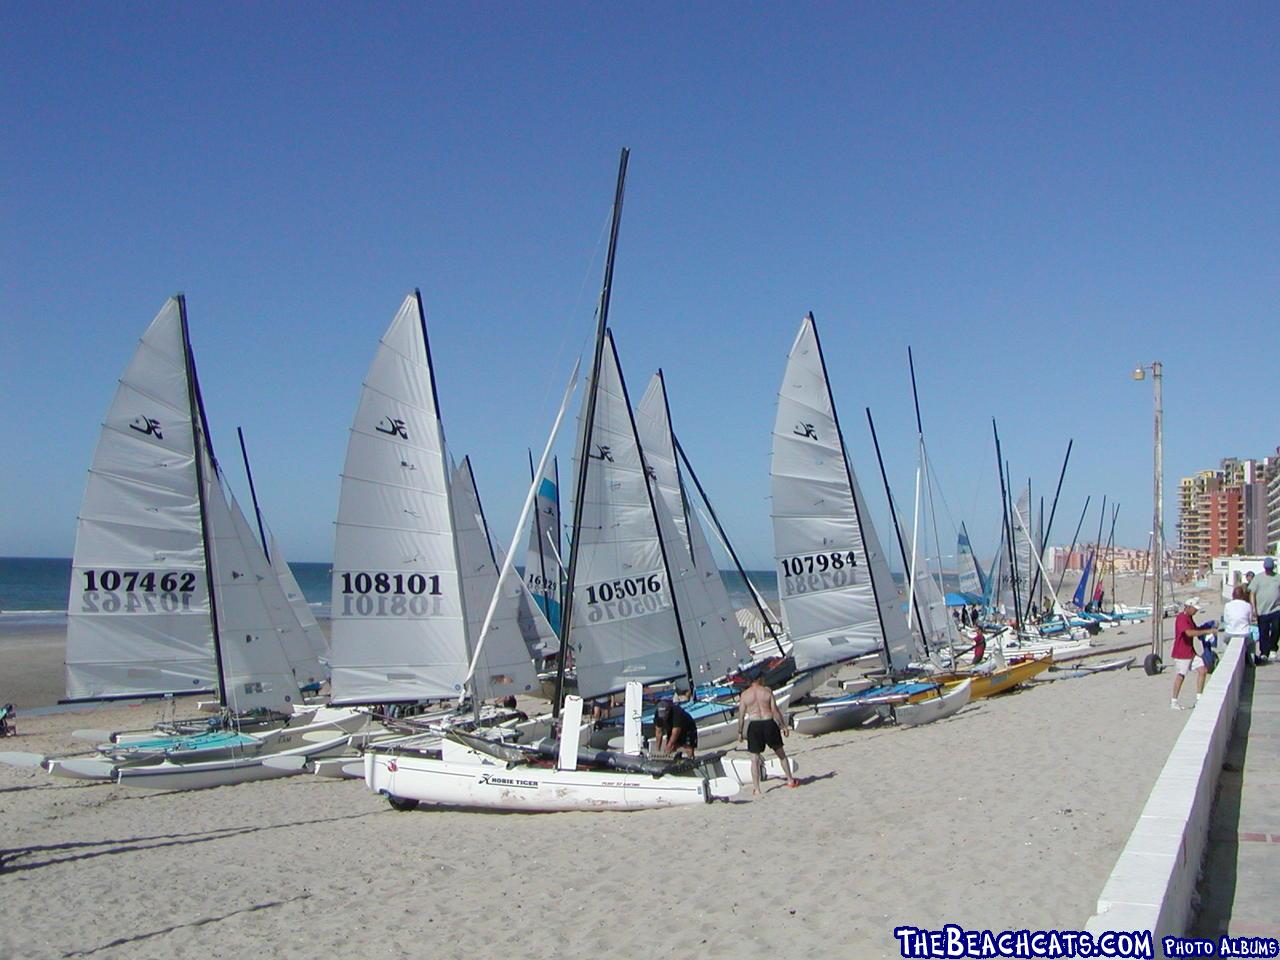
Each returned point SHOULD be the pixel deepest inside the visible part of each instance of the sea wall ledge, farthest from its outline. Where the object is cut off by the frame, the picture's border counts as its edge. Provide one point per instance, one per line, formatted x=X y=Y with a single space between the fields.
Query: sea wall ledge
x=1154 y=879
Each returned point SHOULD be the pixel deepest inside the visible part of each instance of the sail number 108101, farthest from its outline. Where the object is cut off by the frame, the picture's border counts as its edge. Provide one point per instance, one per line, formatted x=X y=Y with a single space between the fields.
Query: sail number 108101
x=398 y=584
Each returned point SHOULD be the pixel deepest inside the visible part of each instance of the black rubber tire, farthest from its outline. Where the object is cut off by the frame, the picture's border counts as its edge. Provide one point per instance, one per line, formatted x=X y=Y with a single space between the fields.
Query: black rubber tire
x=403 y=804
x=1152 y=664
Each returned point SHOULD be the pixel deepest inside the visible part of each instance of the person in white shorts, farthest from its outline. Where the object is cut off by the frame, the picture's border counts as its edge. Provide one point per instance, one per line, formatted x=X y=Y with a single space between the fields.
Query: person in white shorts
x=1185 y=658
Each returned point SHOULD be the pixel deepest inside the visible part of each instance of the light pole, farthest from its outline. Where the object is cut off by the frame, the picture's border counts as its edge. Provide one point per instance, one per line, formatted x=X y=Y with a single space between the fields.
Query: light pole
x=1153 y=662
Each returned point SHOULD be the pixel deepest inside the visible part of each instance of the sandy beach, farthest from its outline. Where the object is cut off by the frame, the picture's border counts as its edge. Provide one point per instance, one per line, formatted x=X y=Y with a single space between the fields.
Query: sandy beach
x=1009 y=814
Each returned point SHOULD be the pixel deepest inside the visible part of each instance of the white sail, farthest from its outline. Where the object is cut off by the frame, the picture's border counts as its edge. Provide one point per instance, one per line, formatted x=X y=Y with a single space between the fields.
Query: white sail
x=542 y=558
x=253 y=614
x=970 y=575
x=138 y=613
x=398 y=626
x=1022 y=547
x=504 y=666
x=839 y=599
x=711 y=630
x=317 y=642
x=624 y=624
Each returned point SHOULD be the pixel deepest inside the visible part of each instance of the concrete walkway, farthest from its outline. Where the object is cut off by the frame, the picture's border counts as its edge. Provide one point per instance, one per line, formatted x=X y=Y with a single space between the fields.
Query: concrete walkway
x=1240 y=886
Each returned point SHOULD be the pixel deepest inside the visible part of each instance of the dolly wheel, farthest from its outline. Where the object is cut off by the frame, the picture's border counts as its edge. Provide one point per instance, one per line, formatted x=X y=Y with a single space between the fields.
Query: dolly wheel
x=1152 y=664
x=402 y=803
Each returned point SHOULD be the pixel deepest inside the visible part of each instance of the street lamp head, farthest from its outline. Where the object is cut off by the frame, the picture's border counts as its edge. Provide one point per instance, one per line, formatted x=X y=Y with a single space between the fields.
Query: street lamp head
x=1139 y=372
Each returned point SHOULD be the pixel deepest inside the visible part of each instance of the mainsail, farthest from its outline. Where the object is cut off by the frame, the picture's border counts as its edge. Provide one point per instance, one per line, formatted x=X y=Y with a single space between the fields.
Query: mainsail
x=838 y=597
x=399 y=627
x=712 y=633
x=138 y=620
x=624 y=625
x=1023 y=549
x=542 y=558
x=504 y=665
x=1081 y=598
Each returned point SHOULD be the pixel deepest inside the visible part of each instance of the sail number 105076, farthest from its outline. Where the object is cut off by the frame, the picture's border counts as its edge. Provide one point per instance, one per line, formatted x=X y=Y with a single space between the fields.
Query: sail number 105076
x=624 y=587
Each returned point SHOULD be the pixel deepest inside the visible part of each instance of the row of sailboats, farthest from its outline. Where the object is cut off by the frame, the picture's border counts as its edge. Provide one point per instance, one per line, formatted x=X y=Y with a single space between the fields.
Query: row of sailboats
x=426 y=608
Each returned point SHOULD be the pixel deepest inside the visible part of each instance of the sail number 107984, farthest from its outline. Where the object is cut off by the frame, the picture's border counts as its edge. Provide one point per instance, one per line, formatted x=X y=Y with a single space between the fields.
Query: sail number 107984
x=818 y=563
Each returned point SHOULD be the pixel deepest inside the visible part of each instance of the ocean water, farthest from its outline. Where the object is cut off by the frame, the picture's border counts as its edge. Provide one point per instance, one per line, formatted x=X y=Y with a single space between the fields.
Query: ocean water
x=33 y=590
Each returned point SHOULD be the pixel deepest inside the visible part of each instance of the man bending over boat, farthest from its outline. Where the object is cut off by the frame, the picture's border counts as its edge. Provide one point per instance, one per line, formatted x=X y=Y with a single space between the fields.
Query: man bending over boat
x=674 y=730
x=765 y=727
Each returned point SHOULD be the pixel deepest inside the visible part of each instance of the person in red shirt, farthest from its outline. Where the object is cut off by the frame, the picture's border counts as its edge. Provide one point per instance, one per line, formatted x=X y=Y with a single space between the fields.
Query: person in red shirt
x=1185 y=657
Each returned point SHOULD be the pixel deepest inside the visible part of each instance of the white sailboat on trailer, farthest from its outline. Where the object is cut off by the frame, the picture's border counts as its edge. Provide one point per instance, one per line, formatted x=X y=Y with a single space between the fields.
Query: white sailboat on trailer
x=839 y=600
x=621 y=586
x=171 y=593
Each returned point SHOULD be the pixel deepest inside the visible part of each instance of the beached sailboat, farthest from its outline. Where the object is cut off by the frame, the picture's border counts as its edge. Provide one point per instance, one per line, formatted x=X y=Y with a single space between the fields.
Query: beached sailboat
x=621 y=620
x=839 y=600
x=172 y=594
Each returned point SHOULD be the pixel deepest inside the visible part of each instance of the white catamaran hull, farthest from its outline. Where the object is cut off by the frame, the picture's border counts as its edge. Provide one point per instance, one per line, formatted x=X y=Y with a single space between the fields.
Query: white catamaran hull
x=935 y=708
x=469 y=779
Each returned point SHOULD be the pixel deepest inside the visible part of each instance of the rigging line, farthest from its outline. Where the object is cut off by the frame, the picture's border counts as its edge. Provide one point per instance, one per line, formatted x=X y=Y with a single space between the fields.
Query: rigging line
x=550 y=382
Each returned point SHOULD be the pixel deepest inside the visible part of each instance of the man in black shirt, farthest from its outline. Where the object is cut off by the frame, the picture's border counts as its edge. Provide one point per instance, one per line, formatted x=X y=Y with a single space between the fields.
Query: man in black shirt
x=674 y=731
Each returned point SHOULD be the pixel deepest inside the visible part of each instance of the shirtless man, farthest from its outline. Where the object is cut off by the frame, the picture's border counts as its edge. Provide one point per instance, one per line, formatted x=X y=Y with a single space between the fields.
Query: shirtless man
x=765 y=726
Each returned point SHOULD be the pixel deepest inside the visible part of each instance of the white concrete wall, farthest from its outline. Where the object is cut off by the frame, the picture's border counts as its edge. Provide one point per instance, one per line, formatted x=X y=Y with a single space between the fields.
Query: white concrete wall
x=1153 y=881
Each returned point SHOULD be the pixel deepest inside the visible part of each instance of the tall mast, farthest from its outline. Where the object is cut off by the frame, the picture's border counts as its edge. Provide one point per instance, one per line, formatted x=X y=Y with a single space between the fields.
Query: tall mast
x=1008 y=526
x=893 y=516
x=728 y=545
x=1097 y=550
x=602 y=321
x=199 y=433
x=1074 y=539
x=844 y=456
x=1046 y=529
x=253 y=493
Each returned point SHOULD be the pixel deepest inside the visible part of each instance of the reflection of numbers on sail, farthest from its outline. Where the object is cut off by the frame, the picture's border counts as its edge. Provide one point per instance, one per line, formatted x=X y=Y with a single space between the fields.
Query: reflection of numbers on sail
x=816 y=582
x=110 y=601
x=399 y=584
x=625 y=608
x=375 y=605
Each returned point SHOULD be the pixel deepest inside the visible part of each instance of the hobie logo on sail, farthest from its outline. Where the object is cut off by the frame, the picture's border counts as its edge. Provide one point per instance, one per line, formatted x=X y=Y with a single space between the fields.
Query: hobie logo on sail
x=806 y=431
x=392 y=428
x=147 y=427
x=604 y=454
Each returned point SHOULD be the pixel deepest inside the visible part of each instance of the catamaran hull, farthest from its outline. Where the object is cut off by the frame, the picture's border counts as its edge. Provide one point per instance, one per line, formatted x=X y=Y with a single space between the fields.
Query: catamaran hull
x=841 y=718
x=935 y=708
x=490 y=786
x=1000 y=679
x=221 y=773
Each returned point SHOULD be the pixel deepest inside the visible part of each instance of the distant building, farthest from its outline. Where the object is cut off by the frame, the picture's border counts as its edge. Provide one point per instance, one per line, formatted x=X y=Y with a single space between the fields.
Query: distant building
x=1231 y=511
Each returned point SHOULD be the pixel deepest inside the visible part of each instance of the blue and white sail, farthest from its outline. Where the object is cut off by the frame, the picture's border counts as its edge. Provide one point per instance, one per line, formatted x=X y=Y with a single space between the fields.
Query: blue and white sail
x=1081 y=598
x=972 y=583
x=839 y=600
x=542 y=564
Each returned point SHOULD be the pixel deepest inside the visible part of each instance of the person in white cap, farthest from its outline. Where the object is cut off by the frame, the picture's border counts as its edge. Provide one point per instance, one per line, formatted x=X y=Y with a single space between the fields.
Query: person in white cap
x=1264 y=591
x=1185 y=657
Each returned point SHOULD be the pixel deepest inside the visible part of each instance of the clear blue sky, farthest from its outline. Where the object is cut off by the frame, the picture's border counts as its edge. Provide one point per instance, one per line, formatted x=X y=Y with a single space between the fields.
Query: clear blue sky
x=1033 y=199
